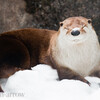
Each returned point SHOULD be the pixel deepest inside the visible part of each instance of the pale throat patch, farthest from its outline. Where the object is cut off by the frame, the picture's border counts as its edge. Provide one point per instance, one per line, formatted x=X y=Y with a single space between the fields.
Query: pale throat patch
x=80 y=58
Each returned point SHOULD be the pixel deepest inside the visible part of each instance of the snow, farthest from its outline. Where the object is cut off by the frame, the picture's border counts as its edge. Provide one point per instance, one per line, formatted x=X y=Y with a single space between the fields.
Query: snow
x=41 y=83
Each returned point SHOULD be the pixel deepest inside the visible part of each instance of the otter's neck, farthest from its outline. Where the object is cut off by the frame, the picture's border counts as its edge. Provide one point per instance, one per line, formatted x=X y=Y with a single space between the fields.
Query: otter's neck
x=81 y=58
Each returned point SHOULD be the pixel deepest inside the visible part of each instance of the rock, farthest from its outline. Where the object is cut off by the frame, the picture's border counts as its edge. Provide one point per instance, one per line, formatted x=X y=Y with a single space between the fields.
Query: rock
x=16 y=14
x=58 y=10
x=13 y=15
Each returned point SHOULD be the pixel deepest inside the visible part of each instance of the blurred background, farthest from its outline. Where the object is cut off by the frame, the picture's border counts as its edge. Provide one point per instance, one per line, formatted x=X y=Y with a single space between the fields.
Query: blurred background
x=16 y=14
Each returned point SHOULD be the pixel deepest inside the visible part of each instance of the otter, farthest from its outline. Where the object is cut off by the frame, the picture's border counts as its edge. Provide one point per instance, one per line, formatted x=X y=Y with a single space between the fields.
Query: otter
x=73 y=50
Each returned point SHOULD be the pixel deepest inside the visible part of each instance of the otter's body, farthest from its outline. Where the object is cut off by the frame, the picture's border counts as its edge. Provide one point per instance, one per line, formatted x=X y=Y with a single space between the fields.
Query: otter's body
x=73 y=50
x=33 y=41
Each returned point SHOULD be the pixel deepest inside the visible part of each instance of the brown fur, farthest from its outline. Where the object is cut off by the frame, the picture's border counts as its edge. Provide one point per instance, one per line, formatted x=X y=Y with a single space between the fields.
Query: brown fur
x=69 y=74
x=24 y=48
x=30 y=44
x=1 y=89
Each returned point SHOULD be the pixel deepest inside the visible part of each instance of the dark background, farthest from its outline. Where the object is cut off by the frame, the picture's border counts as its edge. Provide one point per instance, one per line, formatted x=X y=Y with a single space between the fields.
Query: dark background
x=16 y=14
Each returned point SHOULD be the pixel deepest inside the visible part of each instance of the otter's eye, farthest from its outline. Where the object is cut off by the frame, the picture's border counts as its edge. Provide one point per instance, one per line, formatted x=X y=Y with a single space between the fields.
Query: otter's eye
x=61 y=23
x=89 y=21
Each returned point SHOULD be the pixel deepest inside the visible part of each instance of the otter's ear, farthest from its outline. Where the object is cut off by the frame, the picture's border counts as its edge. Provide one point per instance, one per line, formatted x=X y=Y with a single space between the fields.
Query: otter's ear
x=89 y=21
x=61 y=23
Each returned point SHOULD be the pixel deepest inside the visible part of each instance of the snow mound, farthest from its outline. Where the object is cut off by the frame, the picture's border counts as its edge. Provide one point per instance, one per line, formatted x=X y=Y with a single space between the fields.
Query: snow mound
x=41 y=83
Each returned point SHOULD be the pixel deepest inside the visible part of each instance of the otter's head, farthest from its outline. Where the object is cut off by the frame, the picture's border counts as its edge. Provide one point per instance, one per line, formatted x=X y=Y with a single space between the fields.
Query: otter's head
x=76 y=29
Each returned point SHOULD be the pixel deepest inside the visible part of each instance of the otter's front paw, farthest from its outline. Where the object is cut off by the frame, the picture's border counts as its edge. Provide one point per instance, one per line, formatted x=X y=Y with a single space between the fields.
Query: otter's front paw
x=66 y=73
x=82 y=79
x=1 y=89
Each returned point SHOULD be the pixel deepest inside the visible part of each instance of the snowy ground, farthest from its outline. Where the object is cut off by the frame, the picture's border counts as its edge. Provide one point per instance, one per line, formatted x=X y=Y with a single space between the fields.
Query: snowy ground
x=41 y=84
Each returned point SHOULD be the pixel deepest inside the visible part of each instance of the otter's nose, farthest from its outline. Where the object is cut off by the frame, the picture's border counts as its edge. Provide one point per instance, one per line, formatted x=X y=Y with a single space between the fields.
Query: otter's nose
x=75 y=33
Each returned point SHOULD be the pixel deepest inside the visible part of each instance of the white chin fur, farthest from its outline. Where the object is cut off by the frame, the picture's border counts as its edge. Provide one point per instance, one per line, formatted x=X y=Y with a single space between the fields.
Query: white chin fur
x=79 y=38
x=68 y=38
x=80 y=58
